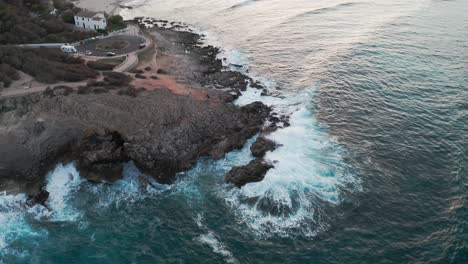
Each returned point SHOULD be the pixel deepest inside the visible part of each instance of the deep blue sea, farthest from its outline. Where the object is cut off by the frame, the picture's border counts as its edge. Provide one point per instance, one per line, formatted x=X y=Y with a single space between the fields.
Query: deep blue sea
x=373 y=168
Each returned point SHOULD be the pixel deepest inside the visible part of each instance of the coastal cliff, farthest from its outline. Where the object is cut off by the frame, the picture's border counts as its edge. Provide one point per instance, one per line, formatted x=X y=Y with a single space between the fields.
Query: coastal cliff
x=161 y=132
x=148 y=121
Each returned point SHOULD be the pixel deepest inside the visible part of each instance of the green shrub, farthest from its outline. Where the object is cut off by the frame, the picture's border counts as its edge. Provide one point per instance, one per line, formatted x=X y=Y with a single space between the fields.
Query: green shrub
x=8 y=74
x=17 y=26
x=46 y=65
x=100 y=66
x=102 y=31
x=68 y=16
x=117 y=78
x=115 y=23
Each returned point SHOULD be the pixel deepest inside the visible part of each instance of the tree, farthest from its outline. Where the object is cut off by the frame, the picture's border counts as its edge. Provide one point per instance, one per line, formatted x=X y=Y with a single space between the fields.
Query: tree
x=115 y=23
x=116 y=19
x=68 y=16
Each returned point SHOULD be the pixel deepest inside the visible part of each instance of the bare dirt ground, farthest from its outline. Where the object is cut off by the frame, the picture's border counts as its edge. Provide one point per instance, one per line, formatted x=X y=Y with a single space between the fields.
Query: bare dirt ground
x=154 y=60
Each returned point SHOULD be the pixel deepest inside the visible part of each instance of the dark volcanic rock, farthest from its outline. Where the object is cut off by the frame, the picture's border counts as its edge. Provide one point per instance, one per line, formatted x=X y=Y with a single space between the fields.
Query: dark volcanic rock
x=230 y=79
x=255 y=171
x=101 y=157
x=39 y=198
x=161 y=132
x=261 y=146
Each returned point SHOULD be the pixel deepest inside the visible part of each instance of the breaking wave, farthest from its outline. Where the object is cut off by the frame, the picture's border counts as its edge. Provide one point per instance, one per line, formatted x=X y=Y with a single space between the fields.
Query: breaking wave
x=309 y=171
x=62 y=184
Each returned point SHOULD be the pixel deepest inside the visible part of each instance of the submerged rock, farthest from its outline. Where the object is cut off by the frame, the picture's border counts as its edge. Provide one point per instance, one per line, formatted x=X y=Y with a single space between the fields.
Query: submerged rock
x=255 y=171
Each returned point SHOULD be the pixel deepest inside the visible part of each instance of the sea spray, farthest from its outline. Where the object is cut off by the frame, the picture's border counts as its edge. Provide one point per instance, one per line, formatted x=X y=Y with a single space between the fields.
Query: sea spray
x=15 y=228
x=62 y=184
x=288 y=196
x=308 y=171
x=127 y=191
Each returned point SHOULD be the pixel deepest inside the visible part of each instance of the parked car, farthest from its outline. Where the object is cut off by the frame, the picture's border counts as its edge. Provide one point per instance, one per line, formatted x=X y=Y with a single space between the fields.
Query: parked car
x=88 y=53
x=68 y=49
x=110 y=54
x=142 y=46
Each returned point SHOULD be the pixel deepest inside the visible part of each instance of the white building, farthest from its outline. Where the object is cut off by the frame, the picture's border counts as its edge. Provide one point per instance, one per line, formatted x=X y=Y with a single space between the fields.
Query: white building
x=90 y=20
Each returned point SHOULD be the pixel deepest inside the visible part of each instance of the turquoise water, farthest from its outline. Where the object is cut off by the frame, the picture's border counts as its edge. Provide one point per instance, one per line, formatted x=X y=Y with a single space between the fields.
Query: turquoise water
x=372 y=169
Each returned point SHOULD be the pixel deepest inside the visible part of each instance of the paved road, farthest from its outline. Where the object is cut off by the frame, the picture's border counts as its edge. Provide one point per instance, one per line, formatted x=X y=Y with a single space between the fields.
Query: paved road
x=133 y=43
x=37 y=89
x=130 y=62
x=41 y=45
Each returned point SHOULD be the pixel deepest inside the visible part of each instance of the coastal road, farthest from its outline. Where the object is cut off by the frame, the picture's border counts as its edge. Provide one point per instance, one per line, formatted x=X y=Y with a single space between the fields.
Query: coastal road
x=37 y=89
x=130 y=62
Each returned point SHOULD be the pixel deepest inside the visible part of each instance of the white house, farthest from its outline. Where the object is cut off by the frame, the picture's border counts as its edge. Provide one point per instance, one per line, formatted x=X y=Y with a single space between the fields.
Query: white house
x=90 y=20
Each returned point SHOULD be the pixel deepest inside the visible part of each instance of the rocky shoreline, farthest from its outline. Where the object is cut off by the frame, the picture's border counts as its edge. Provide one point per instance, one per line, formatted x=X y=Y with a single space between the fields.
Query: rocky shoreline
x=163 y=133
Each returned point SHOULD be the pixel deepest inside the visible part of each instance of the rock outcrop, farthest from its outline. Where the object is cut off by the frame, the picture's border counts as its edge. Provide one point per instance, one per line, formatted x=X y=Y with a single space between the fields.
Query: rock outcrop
x=255 y=171
x=161 y=132
x=261 y=146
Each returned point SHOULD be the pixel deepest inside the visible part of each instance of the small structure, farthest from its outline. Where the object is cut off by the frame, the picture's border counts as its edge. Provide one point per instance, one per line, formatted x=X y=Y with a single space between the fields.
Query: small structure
x=68 y=49
x=90 y=20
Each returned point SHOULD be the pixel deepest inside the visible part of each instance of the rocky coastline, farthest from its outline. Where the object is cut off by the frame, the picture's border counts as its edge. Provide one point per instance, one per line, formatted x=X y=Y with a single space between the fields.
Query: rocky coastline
x=162 y=132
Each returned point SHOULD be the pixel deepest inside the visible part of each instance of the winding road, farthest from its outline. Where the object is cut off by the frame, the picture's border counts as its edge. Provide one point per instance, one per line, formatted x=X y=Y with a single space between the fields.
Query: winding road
x=130 y=62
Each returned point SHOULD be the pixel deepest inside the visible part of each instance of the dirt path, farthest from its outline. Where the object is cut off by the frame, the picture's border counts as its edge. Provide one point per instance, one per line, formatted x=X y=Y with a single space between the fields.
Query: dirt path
x=37 y=89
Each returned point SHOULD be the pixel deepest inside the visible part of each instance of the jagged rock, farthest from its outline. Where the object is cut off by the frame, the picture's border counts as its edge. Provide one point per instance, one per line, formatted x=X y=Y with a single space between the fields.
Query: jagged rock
x=255 y=171
x=261 y=146
x=39 y=198
x=163 y=133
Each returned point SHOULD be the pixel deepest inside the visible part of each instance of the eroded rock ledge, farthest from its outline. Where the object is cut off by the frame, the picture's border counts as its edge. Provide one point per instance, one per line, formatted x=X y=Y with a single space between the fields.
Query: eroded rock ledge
x=161 y=132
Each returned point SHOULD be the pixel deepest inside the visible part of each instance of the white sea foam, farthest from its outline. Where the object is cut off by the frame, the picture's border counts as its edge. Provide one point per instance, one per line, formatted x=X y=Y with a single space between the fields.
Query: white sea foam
x=308 y=171
x=62 y=183
x=13 y=224
x=127 y=190
x=217 y=246
x=15 y=214
x=209 y=238
x=308 y=165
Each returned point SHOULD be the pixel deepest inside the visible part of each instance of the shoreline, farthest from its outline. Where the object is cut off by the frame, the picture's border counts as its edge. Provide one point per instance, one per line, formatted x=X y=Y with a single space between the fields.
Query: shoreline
x=163 y=129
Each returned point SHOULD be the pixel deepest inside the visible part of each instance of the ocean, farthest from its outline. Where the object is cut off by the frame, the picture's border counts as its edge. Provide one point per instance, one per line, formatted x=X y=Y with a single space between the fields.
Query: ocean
x=373 y=168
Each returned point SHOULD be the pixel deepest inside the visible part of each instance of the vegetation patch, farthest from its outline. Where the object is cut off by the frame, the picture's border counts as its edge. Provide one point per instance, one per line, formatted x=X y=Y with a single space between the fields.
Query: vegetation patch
x=8 y=74
x=117 y=78
x=115 y=23
x=45 y=65
x=105 y=64
x=17 y=26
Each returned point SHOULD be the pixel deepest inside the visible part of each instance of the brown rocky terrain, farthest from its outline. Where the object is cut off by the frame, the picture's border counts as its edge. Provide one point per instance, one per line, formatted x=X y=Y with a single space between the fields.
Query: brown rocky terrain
x=164 y=131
